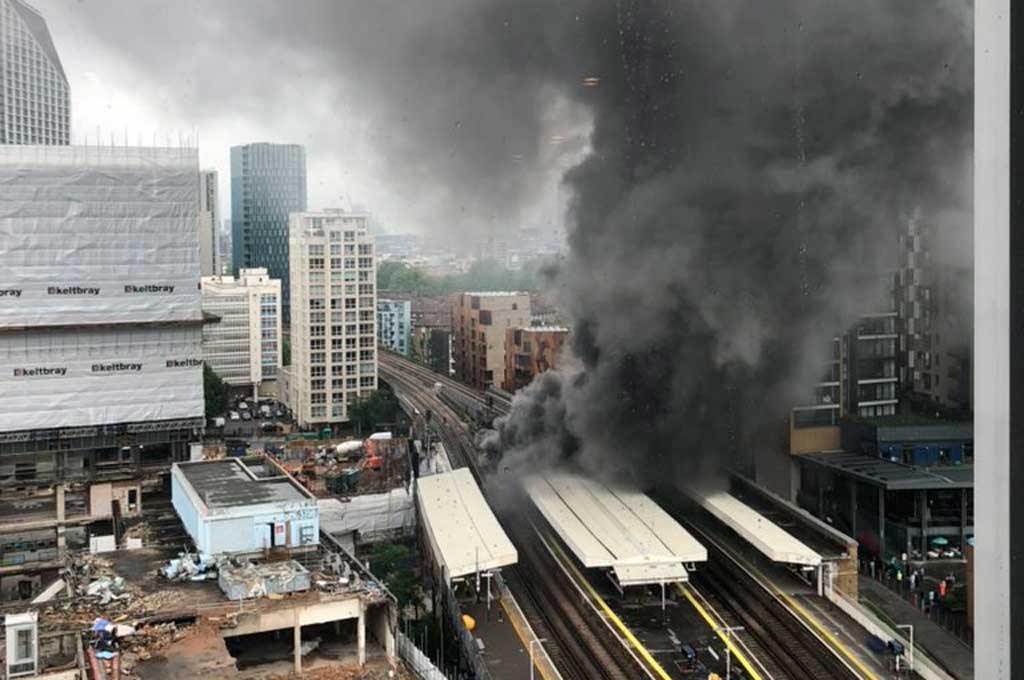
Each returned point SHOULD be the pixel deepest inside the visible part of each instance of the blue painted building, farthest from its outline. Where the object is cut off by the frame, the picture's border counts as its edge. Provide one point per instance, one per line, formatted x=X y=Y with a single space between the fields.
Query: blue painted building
x=268 y=183
x=926 y=444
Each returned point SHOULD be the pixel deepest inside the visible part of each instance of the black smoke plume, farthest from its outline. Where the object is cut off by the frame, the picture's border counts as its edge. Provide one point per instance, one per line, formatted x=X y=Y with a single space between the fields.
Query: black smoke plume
x=752 y=166
x=747 y=168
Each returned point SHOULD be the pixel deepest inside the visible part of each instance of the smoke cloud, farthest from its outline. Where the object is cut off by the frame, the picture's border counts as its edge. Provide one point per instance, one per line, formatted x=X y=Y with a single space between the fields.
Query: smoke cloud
x=752 y=169
x=747 y=168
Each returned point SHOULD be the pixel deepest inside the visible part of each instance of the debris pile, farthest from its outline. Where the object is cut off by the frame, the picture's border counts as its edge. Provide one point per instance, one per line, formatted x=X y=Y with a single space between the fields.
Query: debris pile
x=191 y=567
x=260 y=580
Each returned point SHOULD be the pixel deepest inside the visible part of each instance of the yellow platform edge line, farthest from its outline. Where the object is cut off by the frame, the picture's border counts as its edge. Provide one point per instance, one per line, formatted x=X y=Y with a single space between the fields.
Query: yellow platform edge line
x=654 y=665
x=814 y=623
x=736 y=653
x=542 y=662
x=836 y=644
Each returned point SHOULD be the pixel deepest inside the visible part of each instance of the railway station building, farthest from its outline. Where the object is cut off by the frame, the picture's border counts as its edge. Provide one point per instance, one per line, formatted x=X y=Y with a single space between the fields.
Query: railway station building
x=890 y=508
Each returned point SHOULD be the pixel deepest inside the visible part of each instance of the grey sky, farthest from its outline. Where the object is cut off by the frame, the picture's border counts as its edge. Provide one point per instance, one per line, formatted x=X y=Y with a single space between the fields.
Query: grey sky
x=396 y=112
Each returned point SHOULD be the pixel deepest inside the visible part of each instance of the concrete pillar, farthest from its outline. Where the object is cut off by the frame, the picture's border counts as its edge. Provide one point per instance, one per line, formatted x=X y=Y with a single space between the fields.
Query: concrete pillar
x=361 y=634
x=59 y=500
x=298 y=643
x=881 y=522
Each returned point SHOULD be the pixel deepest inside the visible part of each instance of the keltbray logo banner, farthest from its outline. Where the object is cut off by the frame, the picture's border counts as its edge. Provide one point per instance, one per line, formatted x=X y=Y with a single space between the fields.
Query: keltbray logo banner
x=40 y=371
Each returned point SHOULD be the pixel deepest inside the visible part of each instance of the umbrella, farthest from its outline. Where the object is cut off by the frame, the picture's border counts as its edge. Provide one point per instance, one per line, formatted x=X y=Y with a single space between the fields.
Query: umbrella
x=939 y=540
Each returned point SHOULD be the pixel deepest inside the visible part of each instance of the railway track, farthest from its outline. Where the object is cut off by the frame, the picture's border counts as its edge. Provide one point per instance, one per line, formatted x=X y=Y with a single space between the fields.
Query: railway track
x=579 y=644
x=786 y=647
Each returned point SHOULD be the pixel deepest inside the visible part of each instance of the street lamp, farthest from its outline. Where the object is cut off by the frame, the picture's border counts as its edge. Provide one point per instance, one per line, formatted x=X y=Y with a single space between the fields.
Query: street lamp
x=538 y=642
x=907 y=626
x=729 y=630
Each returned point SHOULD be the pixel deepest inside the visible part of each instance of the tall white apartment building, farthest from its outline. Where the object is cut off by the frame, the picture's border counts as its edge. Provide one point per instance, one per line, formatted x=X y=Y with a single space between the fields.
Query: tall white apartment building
x=242 y=339
x=35 y=99
x=333 y=323
x=209 y=224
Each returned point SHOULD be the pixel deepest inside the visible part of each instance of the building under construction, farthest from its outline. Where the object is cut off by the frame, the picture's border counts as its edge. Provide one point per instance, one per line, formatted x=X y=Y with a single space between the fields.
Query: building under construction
x=100 y=325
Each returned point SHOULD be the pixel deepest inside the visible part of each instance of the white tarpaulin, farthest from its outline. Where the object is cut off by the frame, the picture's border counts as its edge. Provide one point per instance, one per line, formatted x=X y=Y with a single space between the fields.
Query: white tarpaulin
x=98 y=235
x=52 y=379
x=369 y=514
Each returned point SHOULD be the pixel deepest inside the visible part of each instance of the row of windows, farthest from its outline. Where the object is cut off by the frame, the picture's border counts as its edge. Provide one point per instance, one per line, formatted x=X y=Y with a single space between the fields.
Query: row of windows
x=318 y=369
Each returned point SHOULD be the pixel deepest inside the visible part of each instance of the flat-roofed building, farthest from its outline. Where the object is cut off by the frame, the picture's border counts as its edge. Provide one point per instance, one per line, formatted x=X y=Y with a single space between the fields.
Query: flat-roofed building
x=229 y=507
x=531 y=351
x=242 y=341
x=394 y=325
x=479 y=322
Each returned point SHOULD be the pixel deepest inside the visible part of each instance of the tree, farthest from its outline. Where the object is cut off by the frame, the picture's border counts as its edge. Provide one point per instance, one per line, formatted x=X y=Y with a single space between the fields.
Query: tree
x=395 y=564
x=399 y=277
x=367 y=412
x=286 y=353
x=215 y=392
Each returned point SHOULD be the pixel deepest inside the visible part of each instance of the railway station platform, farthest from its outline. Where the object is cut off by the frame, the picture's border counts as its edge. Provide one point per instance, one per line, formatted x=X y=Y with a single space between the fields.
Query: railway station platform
x=617 y=529
x=942 y=646
x=501 y=648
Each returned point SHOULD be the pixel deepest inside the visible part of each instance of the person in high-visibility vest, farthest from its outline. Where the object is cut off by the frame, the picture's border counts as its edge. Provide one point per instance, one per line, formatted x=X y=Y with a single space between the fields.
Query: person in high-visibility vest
x=942 y=589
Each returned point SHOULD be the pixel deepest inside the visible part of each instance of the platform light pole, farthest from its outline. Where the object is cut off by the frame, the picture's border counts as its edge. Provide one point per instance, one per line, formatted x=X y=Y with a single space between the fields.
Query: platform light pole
x=909 y=627
x=729 y=630
x=538 y=642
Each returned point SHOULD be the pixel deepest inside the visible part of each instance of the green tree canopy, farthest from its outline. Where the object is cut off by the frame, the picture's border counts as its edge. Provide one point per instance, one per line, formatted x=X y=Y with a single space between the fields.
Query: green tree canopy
x=368 y=412
x=485 y=275
x=215 y=392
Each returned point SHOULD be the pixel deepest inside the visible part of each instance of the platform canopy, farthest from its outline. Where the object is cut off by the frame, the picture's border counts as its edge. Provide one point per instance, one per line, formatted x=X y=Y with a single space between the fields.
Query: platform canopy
x=615 y=527
x=463 y=532
x=772 y=540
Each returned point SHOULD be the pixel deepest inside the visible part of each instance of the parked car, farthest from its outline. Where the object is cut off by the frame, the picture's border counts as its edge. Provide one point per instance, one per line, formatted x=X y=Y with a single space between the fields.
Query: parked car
x=233 y=415
x=246 y=415
x=218 y=422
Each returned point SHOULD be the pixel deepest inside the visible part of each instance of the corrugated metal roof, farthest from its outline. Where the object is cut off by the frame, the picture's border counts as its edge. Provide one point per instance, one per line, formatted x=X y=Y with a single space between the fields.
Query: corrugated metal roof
x=619 y=528
x=463 y=532
x=894 y=476
x=769 y=538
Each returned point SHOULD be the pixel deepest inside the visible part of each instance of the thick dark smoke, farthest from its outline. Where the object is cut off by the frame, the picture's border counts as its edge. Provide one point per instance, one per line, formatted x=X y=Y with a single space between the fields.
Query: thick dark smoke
x=750 y=167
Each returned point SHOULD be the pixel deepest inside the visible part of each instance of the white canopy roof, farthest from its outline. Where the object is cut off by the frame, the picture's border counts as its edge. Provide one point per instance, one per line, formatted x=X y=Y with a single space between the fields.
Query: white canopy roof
x=463 y=532
x=619 y=528
x=771 y=539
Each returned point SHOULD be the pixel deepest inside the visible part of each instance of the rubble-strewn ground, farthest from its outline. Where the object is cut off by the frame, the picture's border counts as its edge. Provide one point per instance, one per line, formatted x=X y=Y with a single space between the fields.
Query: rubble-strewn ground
x=198 y=651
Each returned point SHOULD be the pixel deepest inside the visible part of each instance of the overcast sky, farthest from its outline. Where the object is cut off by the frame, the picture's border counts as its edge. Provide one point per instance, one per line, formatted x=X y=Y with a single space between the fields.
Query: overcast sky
x=392 y=116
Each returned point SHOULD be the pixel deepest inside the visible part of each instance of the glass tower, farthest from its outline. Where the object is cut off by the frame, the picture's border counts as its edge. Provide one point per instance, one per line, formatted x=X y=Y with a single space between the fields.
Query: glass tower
x=35 y=100
x=268 y=183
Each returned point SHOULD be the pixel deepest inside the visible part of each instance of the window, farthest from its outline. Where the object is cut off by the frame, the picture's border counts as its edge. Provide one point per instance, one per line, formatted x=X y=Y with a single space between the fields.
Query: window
x=24 y=647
